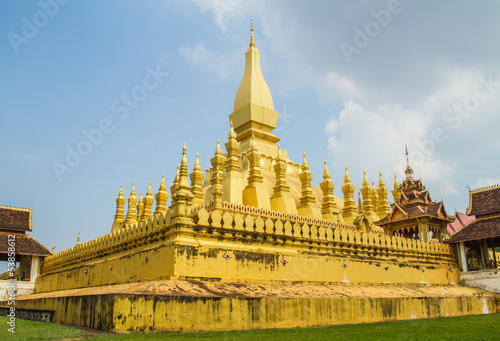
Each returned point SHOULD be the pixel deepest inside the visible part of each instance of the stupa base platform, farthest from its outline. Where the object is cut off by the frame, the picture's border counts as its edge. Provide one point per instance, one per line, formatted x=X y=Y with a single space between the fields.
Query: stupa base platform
x=181 y=306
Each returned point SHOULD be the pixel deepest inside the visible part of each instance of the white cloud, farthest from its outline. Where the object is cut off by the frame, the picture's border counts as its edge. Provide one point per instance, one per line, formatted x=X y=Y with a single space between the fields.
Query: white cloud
x=334 y=87
x=485 y=182
x=226 y=65
x=370 y=139
x=220 y=9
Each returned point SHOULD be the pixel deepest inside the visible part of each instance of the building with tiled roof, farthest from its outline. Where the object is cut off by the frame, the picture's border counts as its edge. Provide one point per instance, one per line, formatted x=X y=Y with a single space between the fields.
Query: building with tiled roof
x=24 y=254
x=414 y=214
x=461 y=220
x=478 y=239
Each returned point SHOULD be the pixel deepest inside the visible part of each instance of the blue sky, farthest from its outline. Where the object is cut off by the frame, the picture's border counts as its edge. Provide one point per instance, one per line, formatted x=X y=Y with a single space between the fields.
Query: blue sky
x=353 y=82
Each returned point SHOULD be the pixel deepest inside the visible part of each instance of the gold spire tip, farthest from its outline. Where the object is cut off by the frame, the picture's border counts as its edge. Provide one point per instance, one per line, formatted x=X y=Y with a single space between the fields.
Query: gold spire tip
x=252 y=40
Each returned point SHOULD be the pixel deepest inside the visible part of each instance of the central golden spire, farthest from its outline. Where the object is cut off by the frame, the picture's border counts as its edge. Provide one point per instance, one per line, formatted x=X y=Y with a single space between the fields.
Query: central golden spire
x=254 y=116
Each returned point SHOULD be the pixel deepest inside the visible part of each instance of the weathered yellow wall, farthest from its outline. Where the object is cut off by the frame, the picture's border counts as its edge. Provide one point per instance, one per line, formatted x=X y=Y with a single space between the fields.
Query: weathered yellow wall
x=161 y=250
x=85 y=311
x=196 y=306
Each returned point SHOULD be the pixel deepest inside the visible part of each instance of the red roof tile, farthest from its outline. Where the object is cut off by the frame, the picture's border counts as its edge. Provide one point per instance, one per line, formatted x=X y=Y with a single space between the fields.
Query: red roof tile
x=478 y=229
x=460 y=221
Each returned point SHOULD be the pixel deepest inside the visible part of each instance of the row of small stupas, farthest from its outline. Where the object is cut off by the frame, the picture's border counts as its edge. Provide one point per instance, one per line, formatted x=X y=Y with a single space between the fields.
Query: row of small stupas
x=291 y=193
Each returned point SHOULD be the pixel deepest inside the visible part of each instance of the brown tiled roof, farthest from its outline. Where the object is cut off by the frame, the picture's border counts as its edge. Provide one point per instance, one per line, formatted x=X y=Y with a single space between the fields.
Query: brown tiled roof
x=24 y=245
x=416 y=211
x=484 y=201
x=478 y=229
x=15 y=219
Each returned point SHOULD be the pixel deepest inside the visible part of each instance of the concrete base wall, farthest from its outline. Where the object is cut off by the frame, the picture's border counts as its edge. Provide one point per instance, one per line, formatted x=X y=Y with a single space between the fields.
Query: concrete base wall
x=181 y=306
x=22 y=288
x=484 y=279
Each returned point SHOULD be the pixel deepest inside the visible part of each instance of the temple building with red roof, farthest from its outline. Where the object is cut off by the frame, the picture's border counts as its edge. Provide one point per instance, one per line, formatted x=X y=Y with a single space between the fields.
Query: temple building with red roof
x=461 y=220
x=478 y=239
x=414 y=214
x=478 y=242
x=23 y=253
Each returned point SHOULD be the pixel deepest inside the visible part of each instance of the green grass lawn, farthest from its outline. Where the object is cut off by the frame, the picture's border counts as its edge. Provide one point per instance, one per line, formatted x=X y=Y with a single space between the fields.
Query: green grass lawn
x=29 y=330
x=480 y=327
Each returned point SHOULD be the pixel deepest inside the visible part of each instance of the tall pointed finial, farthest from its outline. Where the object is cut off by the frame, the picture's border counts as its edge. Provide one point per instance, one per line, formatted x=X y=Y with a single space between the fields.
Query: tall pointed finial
x=326 y=173
x=184 y=160
x=183 y=171
x=381 y=181
x=161 y=197
x=148 y=203
x=197 y=182
x=305 y=161
x=347 y=178
x=131 y=217
x=217 y=149
x=409 y=170
x=78 y=240
x=252 y=41
x=365 y=180
x=197 y=166
x=120 y=214
x=162 y=185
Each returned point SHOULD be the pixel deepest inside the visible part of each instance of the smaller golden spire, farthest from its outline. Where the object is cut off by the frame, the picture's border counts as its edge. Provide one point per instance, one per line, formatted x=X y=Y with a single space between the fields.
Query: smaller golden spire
x=140 y=207
x=197 y=166
x=78 y=240
x=304 y=163
x=161 y=197
x=148 y=203
x=347 y=178
x=131 y=217
x=217 y=149
x=252 y=41
x=197 y=182
x=326 y=173
x=184 y=159
x=162 y=185
x=231 y=135
x=183 y=171
x=360 y=204
x=365 y=180
x=175 y=183
x=381 y=181
x=278 y=157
